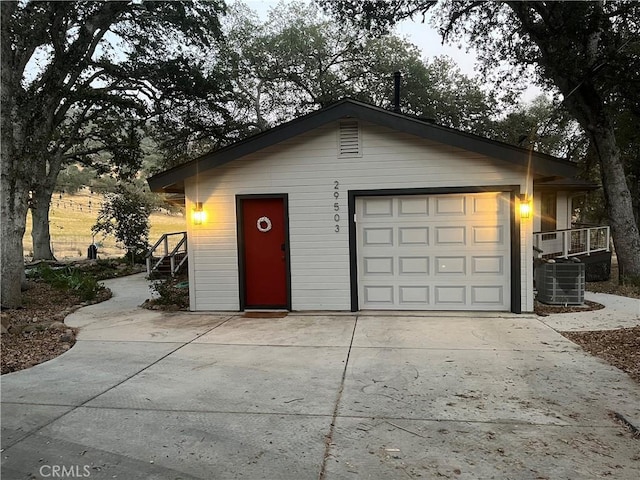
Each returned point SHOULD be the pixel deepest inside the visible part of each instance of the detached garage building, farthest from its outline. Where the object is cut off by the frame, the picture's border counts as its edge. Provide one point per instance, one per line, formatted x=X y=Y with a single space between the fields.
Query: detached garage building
x=354 y=207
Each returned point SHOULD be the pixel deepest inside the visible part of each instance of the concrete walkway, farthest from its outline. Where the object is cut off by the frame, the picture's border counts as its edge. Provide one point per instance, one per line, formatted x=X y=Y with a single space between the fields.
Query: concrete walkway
x=149 y=395
x=619 y=312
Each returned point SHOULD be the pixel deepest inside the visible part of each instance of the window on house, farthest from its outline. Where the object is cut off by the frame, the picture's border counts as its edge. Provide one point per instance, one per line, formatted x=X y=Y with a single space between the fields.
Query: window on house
x=349 y=144
x=548 y=214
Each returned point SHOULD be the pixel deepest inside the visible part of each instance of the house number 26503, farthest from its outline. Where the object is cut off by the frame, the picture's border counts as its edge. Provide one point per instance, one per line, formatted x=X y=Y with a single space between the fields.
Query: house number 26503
x=336 y=205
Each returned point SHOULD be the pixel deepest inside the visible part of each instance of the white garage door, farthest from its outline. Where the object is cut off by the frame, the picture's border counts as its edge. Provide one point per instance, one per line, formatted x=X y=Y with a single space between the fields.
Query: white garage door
x=435 y=252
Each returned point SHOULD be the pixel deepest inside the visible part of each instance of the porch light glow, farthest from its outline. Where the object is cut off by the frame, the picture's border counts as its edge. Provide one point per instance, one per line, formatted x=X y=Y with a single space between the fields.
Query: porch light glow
x=525 y=206
x=199 y=215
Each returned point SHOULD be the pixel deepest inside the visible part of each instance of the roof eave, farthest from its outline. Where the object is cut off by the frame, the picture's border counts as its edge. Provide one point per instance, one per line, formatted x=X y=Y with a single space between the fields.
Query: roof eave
x=536 y=163
x=567 y=185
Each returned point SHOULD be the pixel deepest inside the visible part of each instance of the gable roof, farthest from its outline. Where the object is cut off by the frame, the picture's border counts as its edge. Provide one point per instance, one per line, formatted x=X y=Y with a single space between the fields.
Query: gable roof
x=172 y=180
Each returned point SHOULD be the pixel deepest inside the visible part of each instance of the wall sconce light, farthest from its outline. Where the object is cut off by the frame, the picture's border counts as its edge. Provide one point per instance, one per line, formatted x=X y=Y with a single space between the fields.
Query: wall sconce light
x=525 y=206
x=199 y=215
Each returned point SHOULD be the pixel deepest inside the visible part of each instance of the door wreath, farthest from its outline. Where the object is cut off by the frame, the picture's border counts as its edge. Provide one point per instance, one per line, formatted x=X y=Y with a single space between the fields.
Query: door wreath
x=263 y=224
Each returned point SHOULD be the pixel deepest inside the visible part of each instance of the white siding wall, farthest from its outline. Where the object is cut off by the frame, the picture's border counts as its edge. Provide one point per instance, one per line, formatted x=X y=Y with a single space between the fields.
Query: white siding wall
x=563 y=211
x=306 y=168
x=563 y=221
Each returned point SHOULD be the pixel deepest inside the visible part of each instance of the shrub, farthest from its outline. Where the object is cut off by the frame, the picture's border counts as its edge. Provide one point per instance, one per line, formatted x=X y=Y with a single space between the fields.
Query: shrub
x=125 y=215
x=70 y=279
x=172 y=291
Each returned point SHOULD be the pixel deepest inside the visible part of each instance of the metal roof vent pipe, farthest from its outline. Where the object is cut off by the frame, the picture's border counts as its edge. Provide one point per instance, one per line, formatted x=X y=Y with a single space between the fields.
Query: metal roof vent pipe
x=397 y=76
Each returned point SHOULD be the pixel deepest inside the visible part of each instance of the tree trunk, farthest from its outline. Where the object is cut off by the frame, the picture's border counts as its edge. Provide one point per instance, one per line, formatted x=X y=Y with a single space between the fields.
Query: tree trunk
x=13 y=207
x=588 y=108
x=14 y=181
x=41 y=195
x=586 y=100
x=40 y=233
x=624 y=228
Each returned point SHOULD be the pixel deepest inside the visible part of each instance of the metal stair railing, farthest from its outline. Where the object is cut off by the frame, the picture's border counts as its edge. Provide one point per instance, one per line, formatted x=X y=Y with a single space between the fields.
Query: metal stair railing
x=573 y=241
x=178 y=251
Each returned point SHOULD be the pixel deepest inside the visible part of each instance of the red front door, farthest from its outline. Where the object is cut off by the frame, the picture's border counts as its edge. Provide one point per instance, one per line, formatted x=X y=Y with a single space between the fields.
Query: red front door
x=264 y=251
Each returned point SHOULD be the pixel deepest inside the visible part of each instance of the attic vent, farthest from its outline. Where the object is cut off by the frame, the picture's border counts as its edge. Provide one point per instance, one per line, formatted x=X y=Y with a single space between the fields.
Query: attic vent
x=349 y=139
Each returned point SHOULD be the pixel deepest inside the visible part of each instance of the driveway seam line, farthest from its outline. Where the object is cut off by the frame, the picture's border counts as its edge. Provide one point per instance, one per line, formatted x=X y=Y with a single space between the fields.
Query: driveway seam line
x=329 y=437
x=75 y=407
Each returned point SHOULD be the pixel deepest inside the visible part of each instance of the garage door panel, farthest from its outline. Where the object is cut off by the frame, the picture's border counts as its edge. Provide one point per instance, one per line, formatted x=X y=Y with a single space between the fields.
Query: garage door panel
x=378 y=207
x=451 y=295
x=439 y=252
x=487 y=295
x=413 y=295
x=451 y=266
x=488 y=234
x=487 y=205
x=413 y=206
x=378 y=236
x=450 y=205
x=413 y=265
x=413 y=236
x=487 y=265
x=379 y=295
x=378 y=265
x=450 y=236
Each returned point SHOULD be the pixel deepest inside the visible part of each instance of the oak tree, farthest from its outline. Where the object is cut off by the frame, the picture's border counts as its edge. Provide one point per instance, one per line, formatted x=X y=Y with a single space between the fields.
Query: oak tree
x=297 y=60
x=62 y=64
x=587 y=52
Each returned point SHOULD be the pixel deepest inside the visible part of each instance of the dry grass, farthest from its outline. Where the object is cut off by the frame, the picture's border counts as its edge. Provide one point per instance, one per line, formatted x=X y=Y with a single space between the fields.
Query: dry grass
x=71 y=218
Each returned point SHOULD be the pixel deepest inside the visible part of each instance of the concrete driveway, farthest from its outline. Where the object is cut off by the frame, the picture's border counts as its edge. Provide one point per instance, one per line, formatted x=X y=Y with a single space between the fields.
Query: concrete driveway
x=149 y=395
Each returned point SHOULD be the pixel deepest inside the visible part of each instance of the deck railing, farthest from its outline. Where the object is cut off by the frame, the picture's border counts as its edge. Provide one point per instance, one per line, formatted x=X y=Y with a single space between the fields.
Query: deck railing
x=171 y=248
x=572 y=242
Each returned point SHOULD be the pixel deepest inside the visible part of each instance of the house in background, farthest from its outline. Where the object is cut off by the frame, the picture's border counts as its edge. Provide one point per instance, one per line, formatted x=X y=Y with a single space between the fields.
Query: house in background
x=556 y=233
x=353 y=207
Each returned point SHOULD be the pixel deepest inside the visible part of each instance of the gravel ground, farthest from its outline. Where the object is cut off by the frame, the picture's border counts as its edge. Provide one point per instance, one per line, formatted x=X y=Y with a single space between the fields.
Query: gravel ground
x=36 y=333
x=621 y=348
